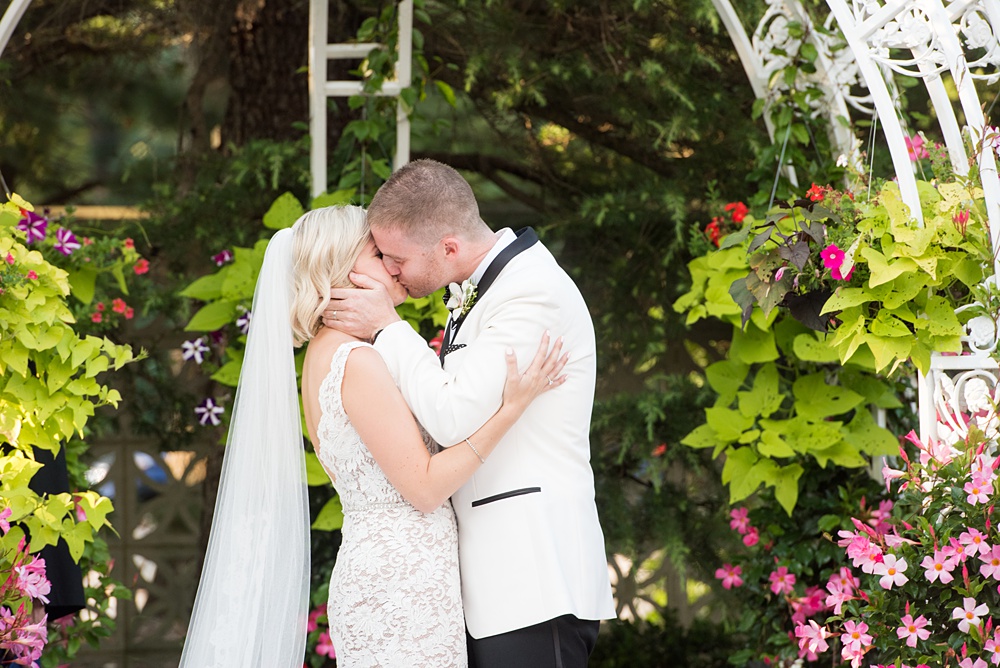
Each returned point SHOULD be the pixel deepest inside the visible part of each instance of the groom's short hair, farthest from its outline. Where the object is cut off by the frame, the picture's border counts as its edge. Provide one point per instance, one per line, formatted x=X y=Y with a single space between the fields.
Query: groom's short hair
x=427 y=200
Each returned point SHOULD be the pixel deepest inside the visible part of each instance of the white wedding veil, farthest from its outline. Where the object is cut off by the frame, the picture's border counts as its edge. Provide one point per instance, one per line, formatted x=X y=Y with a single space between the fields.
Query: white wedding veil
x=253 y=598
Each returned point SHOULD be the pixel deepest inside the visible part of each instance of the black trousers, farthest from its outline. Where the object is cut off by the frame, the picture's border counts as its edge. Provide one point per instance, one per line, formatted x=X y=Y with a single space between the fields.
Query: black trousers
x=563 y=642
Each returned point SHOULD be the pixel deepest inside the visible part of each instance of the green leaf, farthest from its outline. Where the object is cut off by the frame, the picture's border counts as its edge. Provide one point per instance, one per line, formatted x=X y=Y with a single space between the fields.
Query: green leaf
x=283 y=213
x=229 y=373
x=212 y=316
x=726 y=377
x=882 y=270
x=845 y=298
x=315 y=473
x=336 y=198
x=841 y=454
x=82 y=283
x=765 y=397
x=206 y=288
x=739 y=461
x=330 y=517
x=808 y=348
x=753 y=345
x=736 y=238
x=727 y=423
x=700 y=437
x=815 y=399
x=885 y=324
x=889 y=349
x=772 y=445
x=863 y=433
x=446 y=91
x=786 y=486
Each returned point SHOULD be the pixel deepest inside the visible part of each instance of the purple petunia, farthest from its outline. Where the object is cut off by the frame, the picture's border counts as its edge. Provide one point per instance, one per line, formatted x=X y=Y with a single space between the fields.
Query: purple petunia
x=208 y=412
x=194 y=349
x=66 y=241
x=34 y=226
x=243 y=322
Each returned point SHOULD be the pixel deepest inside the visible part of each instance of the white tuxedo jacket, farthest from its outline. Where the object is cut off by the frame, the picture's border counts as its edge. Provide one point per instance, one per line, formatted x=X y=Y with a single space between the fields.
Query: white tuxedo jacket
x=530 y=544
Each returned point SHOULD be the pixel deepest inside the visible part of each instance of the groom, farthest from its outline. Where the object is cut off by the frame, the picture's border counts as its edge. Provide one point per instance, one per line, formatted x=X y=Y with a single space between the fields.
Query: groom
x=534 y=571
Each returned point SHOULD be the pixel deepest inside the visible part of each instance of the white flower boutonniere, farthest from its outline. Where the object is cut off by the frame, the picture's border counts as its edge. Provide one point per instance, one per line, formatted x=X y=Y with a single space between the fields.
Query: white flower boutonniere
x=461 y=298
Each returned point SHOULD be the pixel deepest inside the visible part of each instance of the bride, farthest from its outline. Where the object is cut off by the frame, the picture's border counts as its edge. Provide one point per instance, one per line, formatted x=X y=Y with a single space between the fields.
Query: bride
x=395 y=597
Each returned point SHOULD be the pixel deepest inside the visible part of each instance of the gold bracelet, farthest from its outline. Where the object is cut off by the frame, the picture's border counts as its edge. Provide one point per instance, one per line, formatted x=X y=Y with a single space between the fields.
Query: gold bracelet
x=481 y=460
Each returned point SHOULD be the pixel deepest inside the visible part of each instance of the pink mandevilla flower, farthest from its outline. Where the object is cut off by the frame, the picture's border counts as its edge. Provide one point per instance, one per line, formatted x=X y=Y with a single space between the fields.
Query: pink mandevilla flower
x=969 y=614
x=979 y=490
x=967 y=662
x=973 y=542
x=325 y=646
x=730 y=576
x=812 y=638
x=915 y=147
x=913 y=629
x=31 y=580
x=939 y=567
x=991 y=563
x=891 y=569
x=782 y=582
x=4 y=524
x=739 y=520
x=752 y=537
x=992 y=646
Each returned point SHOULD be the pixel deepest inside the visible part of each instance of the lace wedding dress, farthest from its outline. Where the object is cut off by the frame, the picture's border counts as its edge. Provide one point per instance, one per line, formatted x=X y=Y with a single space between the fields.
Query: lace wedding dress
x=395 y=595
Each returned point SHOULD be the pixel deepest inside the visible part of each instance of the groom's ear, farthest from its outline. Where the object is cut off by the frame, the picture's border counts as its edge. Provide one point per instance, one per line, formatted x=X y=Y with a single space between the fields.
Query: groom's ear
x=452 y=247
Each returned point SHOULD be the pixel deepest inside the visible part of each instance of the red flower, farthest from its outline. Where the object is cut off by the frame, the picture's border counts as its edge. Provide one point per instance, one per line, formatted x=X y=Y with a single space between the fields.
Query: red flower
x=100 y=306
x=128 y=243
x=96 y=317
x=739 y=211
x=816 y=193
x=141 y=267
x=660 y=450
x=87 y=241
x=129 y=313
x=436 y=342
x=713 y=231
x=118 y=305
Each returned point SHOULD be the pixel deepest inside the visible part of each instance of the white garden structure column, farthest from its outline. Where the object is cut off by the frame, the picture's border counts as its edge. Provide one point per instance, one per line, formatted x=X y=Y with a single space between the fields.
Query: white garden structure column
x=320 y=89
x=11 y=17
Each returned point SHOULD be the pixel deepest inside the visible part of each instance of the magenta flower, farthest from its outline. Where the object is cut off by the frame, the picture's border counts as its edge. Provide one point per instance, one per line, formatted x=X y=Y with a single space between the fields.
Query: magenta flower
x=222 y=258
x=913 y=629
x=66 y=241
x=939 y=567
x=891 y=569
x=969 y=614
x=4 y=524
x=10 y=258
x=730 y=576
x=325 y=646
x=832 y=256
x=208 y=412
x=837 y=276
x=34 y=226
x=991 y=563
x=915 y=147
x=782 y=581
x=313 y=623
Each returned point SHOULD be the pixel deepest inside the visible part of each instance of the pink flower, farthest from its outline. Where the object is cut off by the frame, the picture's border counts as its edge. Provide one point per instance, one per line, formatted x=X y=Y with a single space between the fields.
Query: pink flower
x=854 y=654
x=752 y=537
x=325 y=646
x=739 y=521
x=837 y=276
x=973 y=542
x=31 y=581
x=993 y=646
x=991 y=563
x=832 y=256
x=939 y=567
x=967 y=662
x=141 y=266
x=891 y=569
x=313 y=623
x=855 y=634
x=915 y=147
x=4 y=524
x=812 y=638
x=979 y=490
x=970 y=614
x=730 y=576
x=841 y=587
x=782 y=582
x=118 y=305
x=10 y=258
x=913 y=629
x=222 y=258
x=32 y=276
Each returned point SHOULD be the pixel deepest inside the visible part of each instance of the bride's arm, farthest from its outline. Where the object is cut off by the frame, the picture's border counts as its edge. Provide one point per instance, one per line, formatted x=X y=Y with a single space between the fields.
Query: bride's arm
x=382 y=419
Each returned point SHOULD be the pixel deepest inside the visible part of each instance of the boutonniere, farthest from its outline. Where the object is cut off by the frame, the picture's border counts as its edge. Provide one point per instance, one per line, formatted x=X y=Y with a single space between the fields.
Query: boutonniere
x=461 y=298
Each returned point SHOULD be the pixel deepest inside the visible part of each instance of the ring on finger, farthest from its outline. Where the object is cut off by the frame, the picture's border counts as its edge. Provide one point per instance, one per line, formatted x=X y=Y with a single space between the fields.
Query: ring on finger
x=548 y=379
x=334 y=315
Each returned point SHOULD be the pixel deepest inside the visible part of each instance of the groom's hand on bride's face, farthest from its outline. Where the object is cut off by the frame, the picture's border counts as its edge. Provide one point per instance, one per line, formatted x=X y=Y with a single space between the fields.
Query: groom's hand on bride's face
x=360 y=311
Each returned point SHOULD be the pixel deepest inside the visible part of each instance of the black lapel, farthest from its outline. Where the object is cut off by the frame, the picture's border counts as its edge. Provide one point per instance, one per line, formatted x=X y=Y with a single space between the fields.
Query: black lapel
x=526 y=238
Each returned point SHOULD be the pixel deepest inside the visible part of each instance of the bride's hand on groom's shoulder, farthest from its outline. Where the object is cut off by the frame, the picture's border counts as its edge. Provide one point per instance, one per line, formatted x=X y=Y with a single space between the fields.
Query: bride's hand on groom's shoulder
x=543 y=374
x=360 y=311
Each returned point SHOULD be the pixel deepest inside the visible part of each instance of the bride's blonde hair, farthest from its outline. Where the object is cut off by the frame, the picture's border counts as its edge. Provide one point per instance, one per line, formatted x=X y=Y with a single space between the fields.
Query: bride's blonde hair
x=325 y=245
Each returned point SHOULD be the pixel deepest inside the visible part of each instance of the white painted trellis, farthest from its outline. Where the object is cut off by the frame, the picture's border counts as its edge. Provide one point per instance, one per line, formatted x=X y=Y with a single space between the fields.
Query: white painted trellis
x=864 y=45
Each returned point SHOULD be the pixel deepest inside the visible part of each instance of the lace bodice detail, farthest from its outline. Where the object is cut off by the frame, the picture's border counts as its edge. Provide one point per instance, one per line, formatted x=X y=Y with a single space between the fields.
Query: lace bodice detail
x=395 y=596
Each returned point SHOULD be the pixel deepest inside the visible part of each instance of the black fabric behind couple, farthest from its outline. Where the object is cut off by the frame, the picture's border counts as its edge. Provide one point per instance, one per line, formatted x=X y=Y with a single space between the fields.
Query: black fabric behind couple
x=563 y=642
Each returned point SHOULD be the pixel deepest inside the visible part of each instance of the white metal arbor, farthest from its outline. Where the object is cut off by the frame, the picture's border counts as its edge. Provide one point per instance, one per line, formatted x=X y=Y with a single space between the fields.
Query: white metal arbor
x=939 y=43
